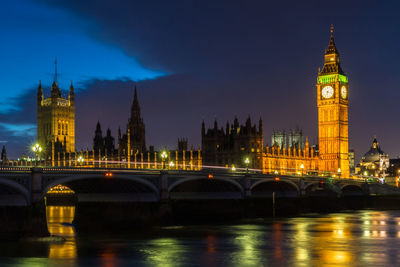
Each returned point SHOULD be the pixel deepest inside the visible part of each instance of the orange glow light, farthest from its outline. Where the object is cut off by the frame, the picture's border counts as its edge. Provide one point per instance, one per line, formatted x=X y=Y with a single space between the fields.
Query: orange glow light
x=210 y=176
x=277 y=179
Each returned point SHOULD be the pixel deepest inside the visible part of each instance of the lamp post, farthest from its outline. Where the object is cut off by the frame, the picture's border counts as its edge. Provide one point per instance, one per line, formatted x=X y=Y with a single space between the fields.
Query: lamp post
x=37 y=149
x=171 y=164
x=80 y=160
x=247 y=162
x=163 y=158
x=302 y=168
x=398 y=178
x=339 y=172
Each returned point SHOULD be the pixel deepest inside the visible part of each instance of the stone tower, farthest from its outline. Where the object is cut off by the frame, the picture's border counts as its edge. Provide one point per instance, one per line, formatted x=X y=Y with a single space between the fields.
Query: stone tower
x=332 y=100
x=56 y=119
x=136 y=127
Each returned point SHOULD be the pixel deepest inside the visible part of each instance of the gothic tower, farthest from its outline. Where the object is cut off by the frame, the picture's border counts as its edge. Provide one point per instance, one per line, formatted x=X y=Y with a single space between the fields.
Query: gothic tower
x=56 y=118
x=332 y=93
x=137 y=127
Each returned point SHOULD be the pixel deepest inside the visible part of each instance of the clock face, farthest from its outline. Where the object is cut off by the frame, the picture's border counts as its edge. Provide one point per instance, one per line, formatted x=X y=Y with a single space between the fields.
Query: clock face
x=343 y=92
x=327 y=92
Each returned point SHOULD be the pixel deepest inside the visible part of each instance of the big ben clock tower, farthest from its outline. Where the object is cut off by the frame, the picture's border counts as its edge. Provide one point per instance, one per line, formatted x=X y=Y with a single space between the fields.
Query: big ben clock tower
x=333 y=124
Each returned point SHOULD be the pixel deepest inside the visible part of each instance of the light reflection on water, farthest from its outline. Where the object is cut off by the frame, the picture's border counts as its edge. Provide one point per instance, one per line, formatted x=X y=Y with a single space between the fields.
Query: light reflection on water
x=59 y=223
x=342 y=239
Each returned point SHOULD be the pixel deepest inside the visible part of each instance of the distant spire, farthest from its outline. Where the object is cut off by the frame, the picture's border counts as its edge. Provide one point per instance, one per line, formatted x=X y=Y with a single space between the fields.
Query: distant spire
x=55 y=91
x=135 y=109
x=331 y=47
x=40 y=89
x=55 y=69
x=332 y=61
x=135 y=97
x=71 y=89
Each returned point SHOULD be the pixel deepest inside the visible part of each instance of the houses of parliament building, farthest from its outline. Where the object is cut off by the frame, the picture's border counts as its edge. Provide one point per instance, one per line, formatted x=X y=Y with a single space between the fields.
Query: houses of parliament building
x=219 y=147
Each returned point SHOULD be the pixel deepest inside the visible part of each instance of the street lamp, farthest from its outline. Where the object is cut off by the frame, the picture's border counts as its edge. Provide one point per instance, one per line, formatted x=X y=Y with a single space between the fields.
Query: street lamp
x=233 y=168
x=163 y=157
x=171 y=164
x=37 y=149
x=80 y=160
x=398 y=178
x=247 y=162
x=302 y=168
x=339 y=172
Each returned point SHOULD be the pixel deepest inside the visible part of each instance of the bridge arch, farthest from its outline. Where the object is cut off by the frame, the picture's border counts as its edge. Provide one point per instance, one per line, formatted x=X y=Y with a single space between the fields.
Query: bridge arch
x=65 y=180
x=352 y=190
x=311 y=184
x=282 y=188
x=233 y=191
x=349 y=186
x=20 y=189
x=267 y=180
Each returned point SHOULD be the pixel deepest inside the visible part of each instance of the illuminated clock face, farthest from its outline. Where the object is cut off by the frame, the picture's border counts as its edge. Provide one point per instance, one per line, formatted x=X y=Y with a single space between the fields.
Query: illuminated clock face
x=327 y=92
x=343 y=92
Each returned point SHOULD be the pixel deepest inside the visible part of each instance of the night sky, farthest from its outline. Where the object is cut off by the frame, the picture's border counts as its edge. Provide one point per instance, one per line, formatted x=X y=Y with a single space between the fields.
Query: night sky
x=195 y=60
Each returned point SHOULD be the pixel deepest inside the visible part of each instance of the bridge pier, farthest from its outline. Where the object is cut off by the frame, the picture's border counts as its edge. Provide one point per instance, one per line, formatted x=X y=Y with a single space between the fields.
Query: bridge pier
x=302 y=188
x=165 y=208
x=247 y=186
x=163 y=185
x=36 y=185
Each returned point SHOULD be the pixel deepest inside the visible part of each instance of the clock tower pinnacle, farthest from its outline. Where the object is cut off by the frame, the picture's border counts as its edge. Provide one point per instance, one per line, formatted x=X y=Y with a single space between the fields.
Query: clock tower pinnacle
x=332 y=101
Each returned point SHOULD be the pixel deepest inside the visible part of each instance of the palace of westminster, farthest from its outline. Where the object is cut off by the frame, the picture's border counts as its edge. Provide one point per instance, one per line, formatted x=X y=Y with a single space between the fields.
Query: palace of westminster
x=219 y=147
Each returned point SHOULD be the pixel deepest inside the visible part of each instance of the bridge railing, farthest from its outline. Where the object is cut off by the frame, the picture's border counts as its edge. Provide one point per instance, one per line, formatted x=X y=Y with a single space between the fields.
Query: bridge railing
x=206 y=170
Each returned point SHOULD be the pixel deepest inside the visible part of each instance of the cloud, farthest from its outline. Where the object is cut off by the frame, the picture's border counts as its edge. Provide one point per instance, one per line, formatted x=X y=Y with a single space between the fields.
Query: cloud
x=21 y=130
x=231 y=58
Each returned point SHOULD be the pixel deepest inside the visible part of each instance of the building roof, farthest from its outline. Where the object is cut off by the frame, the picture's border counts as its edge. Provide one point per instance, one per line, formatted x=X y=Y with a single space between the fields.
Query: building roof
x=373 y=153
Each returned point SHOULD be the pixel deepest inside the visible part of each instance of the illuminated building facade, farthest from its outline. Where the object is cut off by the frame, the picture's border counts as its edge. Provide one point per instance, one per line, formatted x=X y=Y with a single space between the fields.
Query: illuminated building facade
x=332 y=100
x=220 y=147
x=231 y=146
x=375 y=162
x=295 y=138
x=290 y=160
x=56 y=120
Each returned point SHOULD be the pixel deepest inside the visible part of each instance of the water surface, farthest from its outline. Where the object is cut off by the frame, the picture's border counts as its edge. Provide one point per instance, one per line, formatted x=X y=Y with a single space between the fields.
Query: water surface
x=361 y=238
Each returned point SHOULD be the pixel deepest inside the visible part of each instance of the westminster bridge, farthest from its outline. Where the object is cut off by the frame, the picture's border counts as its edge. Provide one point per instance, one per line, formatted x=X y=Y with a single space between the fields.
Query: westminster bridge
x=25 y=186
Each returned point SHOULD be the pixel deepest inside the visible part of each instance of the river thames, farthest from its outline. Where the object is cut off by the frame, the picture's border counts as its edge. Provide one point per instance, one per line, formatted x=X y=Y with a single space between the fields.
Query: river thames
x=354 y=238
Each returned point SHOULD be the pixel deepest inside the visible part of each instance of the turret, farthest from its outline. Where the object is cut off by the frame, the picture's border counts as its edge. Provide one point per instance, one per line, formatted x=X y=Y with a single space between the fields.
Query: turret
x=248 y=122
x=109 y=142
x=71 y=95
x=135 y=108
x=98 y=142
x=203 y=129
x=3 y=155
x=260 y=127
x=332 y=59
x=236 y=124
x=136 y=126
x=40 y=94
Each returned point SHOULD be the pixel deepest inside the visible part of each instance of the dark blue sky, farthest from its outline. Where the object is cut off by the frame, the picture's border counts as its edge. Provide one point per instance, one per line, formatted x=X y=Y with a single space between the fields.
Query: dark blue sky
x=195 y=60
